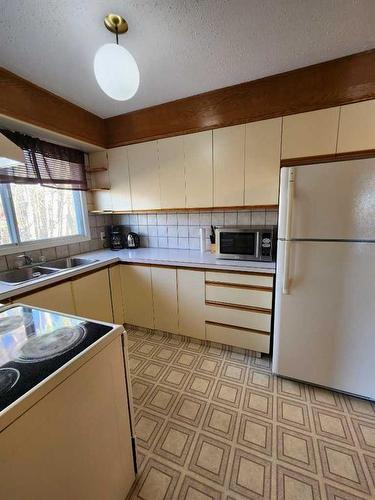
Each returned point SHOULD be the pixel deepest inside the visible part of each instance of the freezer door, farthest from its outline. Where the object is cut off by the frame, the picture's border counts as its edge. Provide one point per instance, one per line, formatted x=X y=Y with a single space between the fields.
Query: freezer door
x=330 y=201
x=324 y=330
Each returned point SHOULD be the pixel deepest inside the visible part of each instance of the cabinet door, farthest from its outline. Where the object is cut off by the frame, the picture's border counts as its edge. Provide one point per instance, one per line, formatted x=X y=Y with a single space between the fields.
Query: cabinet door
x=262 y=162
x=229 y=164
x=137 y=295
x=172 y=172
x=164 y=293
x=144 y=175
x=116 y=294
x=102 y=199
x=357 y=127
x=119 y=178
x=198 y=169
x=92 y=296
x=310 y=134
x=191 y=303
x=56 y=298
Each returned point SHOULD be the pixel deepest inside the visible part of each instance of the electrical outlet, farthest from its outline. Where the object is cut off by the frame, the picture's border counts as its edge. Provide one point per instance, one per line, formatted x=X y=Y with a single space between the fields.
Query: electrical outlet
x=102 y=235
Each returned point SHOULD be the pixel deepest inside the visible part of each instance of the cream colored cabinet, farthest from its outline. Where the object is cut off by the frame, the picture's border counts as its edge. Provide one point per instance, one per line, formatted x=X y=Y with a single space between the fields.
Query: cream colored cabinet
x=357 y=127
x=262 y=162
x=137 y=295
x=56 y=298
x=144 y=175
x=102 y=200
x=80 y=430
x=172 y=172
x=229 y=165
x=310 y=134
x=92 y=296
x=164 y=294
x=191 y=303
x=198 y=169
x=118 y=169
x=116 y=294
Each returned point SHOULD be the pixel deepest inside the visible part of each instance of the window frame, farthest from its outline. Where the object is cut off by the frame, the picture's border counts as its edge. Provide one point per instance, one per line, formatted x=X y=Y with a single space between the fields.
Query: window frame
x=80 y=201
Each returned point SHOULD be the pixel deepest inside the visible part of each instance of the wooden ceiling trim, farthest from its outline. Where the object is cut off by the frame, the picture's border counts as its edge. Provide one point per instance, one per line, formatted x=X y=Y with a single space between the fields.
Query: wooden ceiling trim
x=332 y=83
x=25 y=101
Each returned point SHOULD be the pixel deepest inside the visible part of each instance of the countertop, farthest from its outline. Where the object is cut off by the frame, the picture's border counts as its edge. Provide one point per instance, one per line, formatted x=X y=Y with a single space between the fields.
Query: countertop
x=156 y=256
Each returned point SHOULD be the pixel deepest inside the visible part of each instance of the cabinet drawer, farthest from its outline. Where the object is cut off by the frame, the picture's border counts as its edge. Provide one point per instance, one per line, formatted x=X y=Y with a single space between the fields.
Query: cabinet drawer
x=239 y=296
x=240 y=279
x=253 y=320
x=238 y=337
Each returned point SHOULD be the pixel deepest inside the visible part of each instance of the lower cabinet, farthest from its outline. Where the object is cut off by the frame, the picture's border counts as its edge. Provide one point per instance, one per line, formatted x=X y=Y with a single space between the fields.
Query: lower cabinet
x=116 y=294
x=56 y=298
x=92 y=296
x=88 y=296
x=137 y=295
x=164 y=294
x=191 y=308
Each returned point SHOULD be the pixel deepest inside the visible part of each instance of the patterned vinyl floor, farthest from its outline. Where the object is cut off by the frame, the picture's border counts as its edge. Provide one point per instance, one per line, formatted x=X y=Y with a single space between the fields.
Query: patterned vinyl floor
x=213 y=423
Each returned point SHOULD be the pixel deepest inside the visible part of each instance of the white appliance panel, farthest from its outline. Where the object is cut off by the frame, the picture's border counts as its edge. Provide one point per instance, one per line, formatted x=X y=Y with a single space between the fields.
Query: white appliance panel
x=324 y=327
x=331 y=201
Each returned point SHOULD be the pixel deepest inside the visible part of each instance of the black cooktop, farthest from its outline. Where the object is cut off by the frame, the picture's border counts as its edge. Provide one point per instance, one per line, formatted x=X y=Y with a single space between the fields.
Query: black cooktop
x=35 y=343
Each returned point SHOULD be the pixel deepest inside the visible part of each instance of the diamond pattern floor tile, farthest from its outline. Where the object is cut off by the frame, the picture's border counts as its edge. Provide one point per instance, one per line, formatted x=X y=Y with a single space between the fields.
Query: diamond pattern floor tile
x=213 y=423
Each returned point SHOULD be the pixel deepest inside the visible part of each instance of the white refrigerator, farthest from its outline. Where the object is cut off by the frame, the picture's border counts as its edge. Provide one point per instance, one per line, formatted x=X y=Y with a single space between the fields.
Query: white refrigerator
x=324 y=326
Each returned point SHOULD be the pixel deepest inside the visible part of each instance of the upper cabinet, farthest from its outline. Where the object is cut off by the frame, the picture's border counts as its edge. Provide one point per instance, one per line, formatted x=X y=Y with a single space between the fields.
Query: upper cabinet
x=119 y=178
x=172 y=172
x=144 y=175
x=229 y=165
x=310 y=134
x=357 y=127
x=262 y=162
x=198 y=169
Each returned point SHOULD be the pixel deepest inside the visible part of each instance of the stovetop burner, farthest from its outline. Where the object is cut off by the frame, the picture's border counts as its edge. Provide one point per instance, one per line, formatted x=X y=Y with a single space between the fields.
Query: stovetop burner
x=53 y=344
x=8 y=378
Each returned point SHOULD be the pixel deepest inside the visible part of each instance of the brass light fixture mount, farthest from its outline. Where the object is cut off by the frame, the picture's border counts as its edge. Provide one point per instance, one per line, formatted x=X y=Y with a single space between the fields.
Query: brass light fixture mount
x=116 y=24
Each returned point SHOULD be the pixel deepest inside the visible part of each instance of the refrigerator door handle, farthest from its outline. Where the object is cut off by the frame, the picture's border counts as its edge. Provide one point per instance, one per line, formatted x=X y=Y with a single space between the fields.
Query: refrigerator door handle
x=289 y=207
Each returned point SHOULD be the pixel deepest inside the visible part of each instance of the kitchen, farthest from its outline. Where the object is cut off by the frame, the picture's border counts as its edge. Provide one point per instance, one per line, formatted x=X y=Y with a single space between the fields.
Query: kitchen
x=185 y=263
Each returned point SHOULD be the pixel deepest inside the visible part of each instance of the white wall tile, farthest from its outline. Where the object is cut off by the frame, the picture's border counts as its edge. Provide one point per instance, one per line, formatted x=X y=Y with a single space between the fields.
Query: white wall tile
x=163 y=242
x=230 y=219
x=258 y=218
x=217 y=219
x=161 y=219
x=153 y=242
x=271 y=217
x=194 y=243
x=163 y=231
x=183 y=243
x=205 y=219
x=172 y=219
x=151 y=219
x=152 y=230
x=194 y=231
x=172 y=230
x=182 y=219
x=172 y=242
x=142 y=219
x=244 y=218
x=183 y=231
x=193 y=219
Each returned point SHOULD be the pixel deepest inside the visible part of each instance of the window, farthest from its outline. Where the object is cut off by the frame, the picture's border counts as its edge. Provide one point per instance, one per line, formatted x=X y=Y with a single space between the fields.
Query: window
x=35 y=215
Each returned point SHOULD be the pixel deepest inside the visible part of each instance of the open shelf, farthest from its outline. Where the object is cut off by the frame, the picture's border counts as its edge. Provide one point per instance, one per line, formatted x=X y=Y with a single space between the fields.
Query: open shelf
x=96 y=169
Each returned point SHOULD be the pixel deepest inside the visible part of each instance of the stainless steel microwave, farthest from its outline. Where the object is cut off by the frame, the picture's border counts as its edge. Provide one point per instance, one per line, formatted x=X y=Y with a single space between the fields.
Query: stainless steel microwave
x=246 y=242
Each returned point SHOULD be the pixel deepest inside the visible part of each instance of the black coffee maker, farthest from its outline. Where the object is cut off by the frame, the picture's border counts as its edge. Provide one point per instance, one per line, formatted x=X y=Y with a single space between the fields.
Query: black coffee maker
x=116 y=237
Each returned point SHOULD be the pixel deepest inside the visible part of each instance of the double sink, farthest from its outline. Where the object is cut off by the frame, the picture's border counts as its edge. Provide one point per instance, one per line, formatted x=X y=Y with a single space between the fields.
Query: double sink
x=28 y=273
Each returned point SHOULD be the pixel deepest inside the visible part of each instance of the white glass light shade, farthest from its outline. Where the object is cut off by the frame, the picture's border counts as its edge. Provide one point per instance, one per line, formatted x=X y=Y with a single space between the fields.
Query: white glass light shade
x=116 y=71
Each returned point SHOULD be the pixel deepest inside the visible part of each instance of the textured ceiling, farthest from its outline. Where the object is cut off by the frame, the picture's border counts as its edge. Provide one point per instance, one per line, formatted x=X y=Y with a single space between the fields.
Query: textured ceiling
x=183 y=47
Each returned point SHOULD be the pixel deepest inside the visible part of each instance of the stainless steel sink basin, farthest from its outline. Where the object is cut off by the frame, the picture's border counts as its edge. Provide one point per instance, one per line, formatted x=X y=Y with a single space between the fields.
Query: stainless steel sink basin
x=68 y=263
x=17 y=276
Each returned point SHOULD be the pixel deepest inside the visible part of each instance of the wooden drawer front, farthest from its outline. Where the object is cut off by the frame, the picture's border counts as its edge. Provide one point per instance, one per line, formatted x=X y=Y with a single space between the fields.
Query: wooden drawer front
x=241 y=279
x=239 y=296
x=239 y=317
x=238 y=337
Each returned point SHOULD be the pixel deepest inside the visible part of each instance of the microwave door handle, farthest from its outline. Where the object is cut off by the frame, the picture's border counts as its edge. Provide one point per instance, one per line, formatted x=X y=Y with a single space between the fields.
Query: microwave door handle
x=257 y=245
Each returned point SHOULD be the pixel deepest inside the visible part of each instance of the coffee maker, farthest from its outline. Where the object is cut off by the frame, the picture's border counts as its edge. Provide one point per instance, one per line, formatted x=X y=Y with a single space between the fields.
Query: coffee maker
x=116 y=237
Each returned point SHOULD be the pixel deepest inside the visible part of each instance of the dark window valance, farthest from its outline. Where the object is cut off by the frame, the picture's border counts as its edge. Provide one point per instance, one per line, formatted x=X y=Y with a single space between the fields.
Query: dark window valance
x=45 y=163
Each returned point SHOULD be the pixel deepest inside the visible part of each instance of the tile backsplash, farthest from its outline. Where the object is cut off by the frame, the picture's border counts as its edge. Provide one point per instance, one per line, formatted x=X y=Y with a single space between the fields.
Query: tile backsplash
x=181 y=229
x=97 y=225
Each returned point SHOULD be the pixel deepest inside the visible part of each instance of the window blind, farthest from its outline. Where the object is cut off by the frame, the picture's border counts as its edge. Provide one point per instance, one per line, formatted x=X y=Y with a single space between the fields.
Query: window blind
x=45 y=163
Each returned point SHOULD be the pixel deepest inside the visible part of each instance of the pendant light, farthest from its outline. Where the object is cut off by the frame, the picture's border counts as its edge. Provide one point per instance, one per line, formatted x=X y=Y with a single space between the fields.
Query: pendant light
x=115 y=69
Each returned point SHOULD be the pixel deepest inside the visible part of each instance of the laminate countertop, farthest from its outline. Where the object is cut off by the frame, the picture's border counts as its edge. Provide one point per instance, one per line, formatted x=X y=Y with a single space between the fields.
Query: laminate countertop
x=152 y=256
